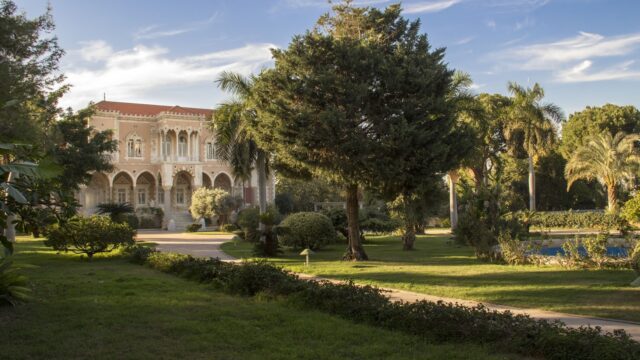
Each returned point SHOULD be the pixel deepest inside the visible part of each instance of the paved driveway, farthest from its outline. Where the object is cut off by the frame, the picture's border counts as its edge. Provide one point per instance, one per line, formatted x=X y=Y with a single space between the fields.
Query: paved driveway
x=195 y=244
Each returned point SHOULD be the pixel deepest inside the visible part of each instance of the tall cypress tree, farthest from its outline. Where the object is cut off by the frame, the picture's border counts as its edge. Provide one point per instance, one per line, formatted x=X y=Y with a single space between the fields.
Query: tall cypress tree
x=361 y=99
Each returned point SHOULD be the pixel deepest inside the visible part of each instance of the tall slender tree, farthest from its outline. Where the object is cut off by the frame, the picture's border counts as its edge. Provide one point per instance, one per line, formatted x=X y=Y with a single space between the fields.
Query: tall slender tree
x=234 y=141
x=361 y=99
x=612 y=160
x=531 y=125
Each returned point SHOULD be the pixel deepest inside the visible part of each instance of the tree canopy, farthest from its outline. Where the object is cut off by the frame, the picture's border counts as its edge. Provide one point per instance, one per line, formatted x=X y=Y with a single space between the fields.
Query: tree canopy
x=592 y=121
x=361 y=99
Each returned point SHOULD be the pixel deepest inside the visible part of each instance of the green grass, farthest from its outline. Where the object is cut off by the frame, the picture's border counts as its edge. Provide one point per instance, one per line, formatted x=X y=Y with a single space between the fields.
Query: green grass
x=111 y=309
x=441 y=268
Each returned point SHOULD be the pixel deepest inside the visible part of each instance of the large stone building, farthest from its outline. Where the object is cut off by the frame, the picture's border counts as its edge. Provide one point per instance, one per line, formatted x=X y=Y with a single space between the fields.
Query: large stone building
x=164 y=154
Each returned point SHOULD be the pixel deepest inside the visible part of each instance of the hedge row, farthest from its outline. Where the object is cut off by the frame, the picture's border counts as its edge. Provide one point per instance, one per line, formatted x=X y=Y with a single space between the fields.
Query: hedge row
x=577 y=220
x=441 y=322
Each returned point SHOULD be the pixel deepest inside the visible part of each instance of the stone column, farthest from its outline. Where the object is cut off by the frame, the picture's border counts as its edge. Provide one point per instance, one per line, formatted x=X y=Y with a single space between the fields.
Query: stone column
x=453 y=199
x=177 y=153
x=134 y=196
x=189 y=146
x=166 y=206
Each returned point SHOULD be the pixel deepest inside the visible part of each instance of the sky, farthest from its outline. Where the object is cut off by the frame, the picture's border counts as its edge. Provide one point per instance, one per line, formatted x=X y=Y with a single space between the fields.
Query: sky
x=583 y=52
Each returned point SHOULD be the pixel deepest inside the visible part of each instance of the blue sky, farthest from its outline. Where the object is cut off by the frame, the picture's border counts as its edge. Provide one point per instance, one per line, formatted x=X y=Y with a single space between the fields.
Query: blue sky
x=583 y=52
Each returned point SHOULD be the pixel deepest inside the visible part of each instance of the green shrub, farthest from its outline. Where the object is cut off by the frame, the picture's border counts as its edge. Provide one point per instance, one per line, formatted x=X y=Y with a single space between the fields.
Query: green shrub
x=13 y=286
x=89 y=235
x=130 y=219
x=248 y=221
x=307 y=230
x=229 y=228
x=380 y=226
x=579 y=220
x=138 y=253
x=512 y=250
x=631 y=209
x=596 y=248
x=433 y=321
x=193 y=227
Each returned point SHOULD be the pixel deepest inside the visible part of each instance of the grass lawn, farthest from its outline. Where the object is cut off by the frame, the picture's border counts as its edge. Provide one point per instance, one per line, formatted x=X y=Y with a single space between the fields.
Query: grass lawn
x=438 y=267
x=109 y=308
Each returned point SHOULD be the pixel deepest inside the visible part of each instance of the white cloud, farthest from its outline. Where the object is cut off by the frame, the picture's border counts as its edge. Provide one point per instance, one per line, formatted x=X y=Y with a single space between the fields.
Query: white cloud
x=151 y=32
x=573 y=59
x=579 y=73
x=546 y=56
x=154 y=31
x=464 y=41
x=139 y=73
x=491 y=24
x=429 y=6
x=516 y=5
x=95 y=50
x=325 y=3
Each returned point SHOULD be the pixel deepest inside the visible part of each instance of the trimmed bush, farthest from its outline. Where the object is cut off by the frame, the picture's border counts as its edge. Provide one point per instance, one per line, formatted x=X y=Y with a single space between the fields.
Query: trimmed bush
x=307 y=230
x=89 y=235
x=631 y=209
x=193 y=227
x=578 y=220
x=228 y=228
x=433 y=321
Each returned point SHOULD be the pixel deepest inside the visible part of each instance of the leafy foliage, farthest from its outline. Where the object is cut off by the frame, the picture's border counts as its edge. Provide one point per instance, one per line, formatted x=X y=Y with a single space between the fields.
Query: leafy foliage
x=90 y=235
x=206 y=203
x=248 y=221
x=116 y=211
x=193 y=227
x=307 y=230
x=631 y=209
x=13 y=286
x=594 y=120
x=377 y=98
x=612 y=160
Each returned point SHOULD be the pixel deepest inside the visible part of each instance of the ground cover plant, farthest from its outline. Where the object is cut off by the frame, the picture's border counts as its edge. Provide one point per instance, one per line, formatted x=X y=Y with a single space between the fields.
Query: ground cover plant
x=110 y=308
x=439 y=267
x=439 y=322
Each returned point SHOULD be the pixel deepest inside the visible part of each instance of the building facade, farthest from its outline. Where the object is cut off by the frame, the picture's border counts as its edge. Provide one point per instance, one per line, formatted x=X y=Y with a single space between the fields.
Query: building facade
x=164 y=154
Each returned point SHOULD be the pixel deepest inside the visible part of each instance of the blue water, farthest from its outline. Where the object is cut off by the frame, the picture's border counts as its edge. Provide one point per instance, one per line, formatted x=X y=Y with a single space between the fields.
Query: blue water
x=611 y=251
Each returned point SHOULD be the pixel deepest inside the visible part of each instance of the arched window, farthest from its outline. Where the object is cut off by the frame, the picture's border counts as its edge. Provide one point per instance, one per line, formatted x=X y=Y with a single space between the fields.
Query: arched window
x=182 y=145
x=210 y=150
x=134 y=146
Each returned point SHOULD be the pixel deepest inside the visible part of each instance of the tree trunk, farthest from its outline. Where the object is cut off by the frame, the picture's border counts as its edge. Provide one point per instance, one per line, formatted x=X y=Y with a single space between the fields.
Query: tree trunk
x=262 y=189
x=612 y=198
x=532 y=185
x=453 y=199
x=409 y=237
x=10 y=230
x=355 y=251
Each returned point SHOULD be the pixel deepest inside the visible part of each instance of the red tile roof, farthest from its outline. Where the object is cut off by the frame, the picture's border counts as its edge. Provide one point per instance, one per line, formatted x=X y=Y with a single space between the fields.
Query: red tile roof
x=149 y=109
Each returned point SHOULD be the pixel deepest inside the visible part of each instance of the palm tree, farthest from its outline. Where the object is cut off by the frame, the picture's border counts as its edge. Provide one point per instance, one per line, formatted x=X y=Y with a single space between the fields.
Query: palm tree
x=612 y=160
x=116 y=211
x=531 y=124
x=234 y=142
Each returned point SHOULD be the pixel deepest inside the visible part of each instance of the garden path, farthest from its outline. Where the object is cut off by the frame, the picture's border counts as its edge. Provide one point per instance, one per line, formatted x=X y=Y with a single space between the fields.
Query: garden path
x=194 y=244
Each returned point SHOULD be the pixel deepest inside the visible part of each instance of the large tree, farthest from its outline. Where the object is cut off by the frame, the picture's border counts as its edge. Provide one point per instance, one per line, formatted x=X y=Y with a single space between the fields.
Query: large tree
x=583 y=125
x=31 y=82
x=612 y=160
x=531 y=126
x=361 y=99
